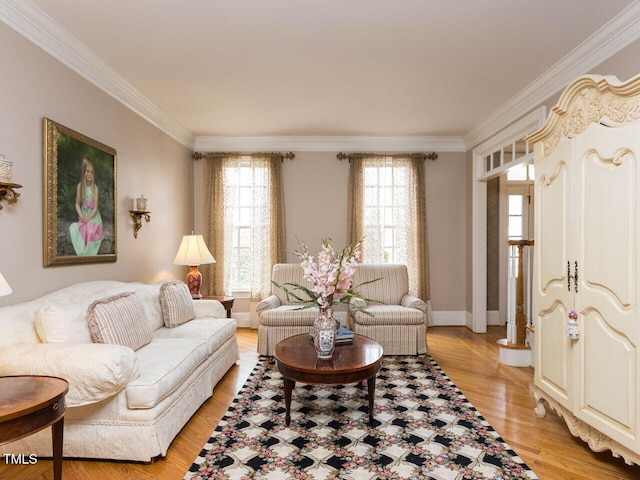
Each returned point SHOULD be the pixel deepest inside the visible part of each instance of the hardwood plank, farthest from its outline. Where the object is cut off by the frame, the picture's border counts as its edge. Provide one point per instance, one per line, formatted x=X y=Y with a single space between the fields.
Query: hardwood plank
x=501 y=394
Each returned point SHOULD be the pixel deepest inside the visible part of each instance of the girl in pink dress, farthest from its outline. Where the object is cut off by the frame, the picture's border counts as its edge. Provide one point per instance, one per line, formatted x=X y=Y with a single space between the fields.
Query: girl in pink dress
x=86 y=234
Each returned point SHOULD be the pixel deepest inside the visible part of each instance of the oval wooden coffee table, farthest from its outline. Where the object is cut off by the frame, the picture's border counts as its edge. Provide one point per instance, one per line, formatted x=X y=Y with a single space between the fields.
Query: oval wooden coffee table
x=353 y=362
x=30 y=403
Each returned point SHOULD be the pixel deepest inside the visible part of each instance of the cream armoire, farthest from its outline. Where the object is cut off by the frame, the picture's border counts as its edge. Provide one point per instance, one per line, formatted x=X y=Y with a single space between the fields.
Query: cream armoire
x=587 y=263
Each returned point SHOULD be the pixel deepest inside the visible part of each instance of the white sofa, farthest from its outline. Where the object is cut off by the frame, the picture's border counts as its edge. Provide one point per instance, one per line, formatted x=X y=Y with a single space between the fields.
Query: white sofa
x=122 y=404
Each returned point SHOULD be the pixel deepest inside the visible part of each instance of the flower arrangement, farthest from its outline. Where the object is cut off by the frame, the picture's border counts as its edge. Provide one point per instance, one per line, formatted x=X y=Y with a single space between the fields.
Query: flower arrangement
x=331 y=275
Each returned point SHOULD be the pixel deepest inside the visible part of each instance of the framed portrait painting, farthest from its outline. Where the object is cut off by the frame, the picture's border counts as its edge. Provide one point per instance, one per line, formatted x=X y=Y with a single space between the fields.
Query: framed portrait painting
x=79 y=198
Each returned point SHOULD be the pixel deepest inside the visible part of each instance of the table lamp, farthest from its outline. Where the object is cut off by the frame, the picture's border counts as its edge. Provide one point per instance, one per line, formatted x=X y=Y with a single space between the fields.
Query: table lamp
x=5 y=289
x=193 y=252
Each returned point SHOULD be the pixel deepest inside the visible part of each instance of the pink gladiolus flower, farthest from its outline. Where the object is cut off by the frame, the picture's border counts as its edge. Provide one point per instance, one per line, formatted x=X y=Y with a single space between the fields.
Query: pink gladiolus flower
x=332 y=274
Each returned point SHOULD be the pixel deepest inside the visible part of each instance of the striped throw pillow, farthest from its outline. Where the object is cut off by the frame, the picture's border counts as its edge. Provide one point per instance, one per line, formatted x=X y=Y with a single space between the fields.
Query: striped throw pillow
x=177 y=304
x=119 y=320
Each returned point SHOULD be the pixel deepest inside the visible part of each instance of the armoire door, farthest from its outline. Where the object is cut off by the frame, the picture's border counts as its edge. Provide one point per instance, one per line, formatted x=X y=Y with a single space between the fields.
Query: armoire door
x=552 y=298
x=606 y=249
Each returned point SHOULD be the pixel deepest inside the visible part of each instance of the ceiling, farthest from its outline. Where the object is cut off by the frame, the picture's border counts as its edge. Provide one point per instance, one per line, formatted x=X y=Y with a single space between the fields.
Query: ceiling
x=332 y=67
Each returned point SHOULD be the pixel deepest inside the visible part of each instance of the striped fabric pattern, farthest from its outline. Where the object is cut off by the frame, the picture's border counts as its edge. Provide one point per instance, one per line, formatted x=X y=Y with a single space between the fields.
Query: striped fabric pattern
x=267 y=304
x=288 y=273
x=392 y=286
x=176 y=303
x=399 y=321
x=119 y=320
x=288 y=315
x=396 y=339
x=410 y=301
x=269 y=337
x=389 y=315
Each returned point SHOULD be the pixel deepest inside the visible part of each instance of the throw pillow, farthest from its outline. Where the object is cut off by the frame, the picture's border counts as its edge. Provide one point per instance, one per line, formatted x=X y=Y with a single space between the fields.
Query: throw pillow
x=54 y=325
x=177 y=304
x=119 y=320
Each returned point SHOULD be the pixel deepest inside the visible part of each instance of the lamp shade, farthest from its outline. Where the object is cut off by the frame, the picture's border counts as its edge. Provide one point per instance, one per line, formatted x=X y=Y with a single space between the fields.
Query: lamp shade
x=5 y=289
x=193 y=251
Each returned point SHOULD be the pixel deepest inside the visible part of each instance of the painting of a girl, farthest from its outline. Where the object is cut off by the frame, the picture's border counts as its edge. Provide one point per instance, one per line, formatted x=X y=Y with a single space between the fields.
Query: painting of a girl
x=86 y=233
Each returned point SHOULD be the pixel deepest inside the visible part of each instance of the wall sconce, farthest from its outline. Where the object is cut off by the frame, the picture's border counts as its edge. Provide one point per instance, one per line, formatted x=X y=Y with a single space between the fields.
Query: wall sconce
x=7 y=189
x=138 y=213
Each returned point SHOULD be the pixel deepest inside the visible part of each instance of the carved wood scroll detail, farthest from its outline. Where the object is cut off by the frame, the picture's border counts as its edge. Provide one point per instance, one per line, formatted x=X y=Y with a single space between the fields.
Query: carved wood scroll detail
x=590 y=99
x=596 y=440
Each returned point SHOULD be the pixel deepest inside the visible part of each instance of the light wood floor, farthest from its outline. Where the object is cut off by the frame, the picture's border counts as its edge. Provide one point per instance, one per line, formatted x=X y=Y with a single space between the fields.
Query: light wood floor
x=500 y=393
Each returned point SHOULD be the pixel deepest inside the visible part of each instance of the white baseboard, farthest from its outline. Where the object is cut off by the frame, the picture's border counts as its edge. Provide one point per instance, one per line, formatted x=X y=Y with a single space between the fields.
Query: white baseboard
x=493 y=317
x=242 y=318
x=449 y=319
x=468 y=318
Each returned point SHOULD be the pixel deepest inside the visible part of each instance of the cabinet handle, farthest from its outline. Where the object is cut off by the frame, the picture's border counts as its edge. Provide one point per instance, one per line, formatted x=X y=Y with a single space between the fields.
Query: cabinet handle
x=575 y=276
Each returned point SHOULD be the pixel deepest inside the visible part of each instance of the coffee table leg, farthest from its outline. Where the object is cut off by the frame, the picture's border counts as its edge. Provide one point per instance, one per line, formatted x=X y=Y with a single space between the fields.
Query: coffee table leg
x=371 y=391
x=57 y=431
x=288 y=389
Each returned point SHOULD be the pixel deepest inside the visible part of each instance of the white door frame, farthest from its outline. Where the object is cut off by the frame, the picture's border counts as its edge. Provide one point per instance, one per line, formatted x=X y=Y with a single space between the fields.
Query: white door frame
x=528 y=124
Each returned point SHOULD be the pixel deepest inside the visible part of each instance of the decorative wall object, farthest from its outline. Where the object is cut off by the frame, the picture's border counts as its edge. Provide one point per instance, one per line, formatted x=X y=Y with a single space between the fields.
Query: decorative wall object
x=79 y=198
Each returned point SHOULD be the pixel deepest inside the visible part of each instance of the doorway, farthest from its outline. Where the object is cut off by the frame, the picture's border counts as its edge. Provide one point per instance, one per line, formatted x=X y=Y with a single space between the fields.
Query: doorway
x=492 y=159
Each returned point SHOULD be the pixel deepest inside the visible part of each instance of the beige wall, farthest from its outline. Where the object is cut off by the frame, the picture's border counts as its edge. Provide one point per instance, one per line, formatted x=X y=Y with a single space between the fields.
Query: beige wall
x=315 y=196
x=34 y=85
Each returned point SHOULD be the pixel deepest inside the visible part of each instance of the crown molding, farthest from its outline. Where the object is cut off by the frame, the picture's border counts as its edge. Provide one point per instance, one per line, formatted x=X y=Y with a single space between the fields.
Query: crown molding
x=32 y=23
x=619 y=32
x=329 y=144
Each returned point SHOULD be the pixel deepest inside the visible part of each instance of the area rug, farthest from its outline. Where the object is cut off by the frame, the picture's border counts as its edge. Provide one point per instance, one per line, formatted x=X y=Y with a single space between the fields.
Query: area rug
x=424 y=428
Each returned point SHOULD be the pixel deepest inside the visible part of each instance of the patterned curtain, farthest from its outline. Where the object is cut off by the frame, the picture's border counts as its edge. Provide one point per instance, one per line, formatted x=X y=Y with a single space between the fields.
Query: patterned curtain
x=267 y=221
x=404 y=182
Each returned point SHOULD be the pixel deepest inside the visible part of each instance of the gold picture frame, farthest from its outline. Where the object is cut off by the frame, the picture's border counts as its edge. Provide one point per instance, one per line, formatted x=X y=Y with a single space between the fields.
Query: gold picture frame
x=77 y=170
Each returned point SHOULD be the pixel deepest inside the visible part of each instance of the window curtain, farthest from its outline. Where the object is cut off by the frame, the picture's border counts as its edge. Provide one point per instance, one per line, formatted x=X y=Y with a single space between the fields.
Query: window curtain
x=267 y=223
x=409 y=213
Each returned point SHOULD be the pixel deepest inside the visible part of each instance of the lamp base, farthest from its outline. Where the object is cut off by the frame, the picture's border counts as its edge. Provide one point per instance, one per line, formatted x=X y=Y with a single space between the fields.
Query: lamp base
x=194 y=280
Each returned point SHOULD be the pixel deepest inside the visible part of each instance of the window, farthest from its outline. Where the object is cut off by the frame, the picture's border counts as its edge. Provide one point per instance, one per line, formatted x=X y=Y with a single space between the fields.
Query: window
x=244 y=221
x=385 y=207
x=247 y=214
x=385 y=204
x=505 y=156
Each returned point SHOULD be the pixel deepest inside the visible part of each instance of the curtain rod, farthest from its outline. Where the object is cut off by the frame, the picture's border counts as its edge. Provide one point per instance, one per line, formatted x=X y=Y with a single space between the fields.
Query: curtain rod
x=419 y=156
x=280 y=155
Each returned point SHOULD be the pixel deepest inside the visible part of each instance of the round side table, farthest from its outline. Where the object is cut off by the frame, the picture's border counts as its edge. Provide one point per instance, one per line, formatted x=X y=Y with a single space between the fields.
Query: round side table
x=30 y=403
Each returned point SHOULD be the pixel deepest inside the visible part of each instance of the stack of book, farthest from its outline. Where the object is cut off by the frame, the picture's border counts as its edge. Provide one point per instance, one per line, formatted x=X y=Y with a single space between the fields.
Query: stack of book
x=344 y=335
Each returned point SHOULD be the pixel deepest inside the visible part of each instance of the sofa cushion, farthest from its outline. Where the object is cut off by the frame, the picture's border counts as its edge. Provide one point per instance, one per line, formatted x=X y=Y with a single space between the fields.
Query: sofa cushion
x=119 y=320
x=149 y=295
x=177 y=304
x=55 y=325
x=389 y=315
x=289 y=315
x=164 y=364
x=214 y=331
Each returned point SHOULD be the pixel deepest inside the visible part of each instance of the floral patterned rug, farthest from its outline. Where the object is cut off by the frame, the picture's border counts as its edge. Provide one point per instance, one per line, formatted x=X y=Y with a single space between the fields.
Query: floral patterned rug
x=424 y=428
